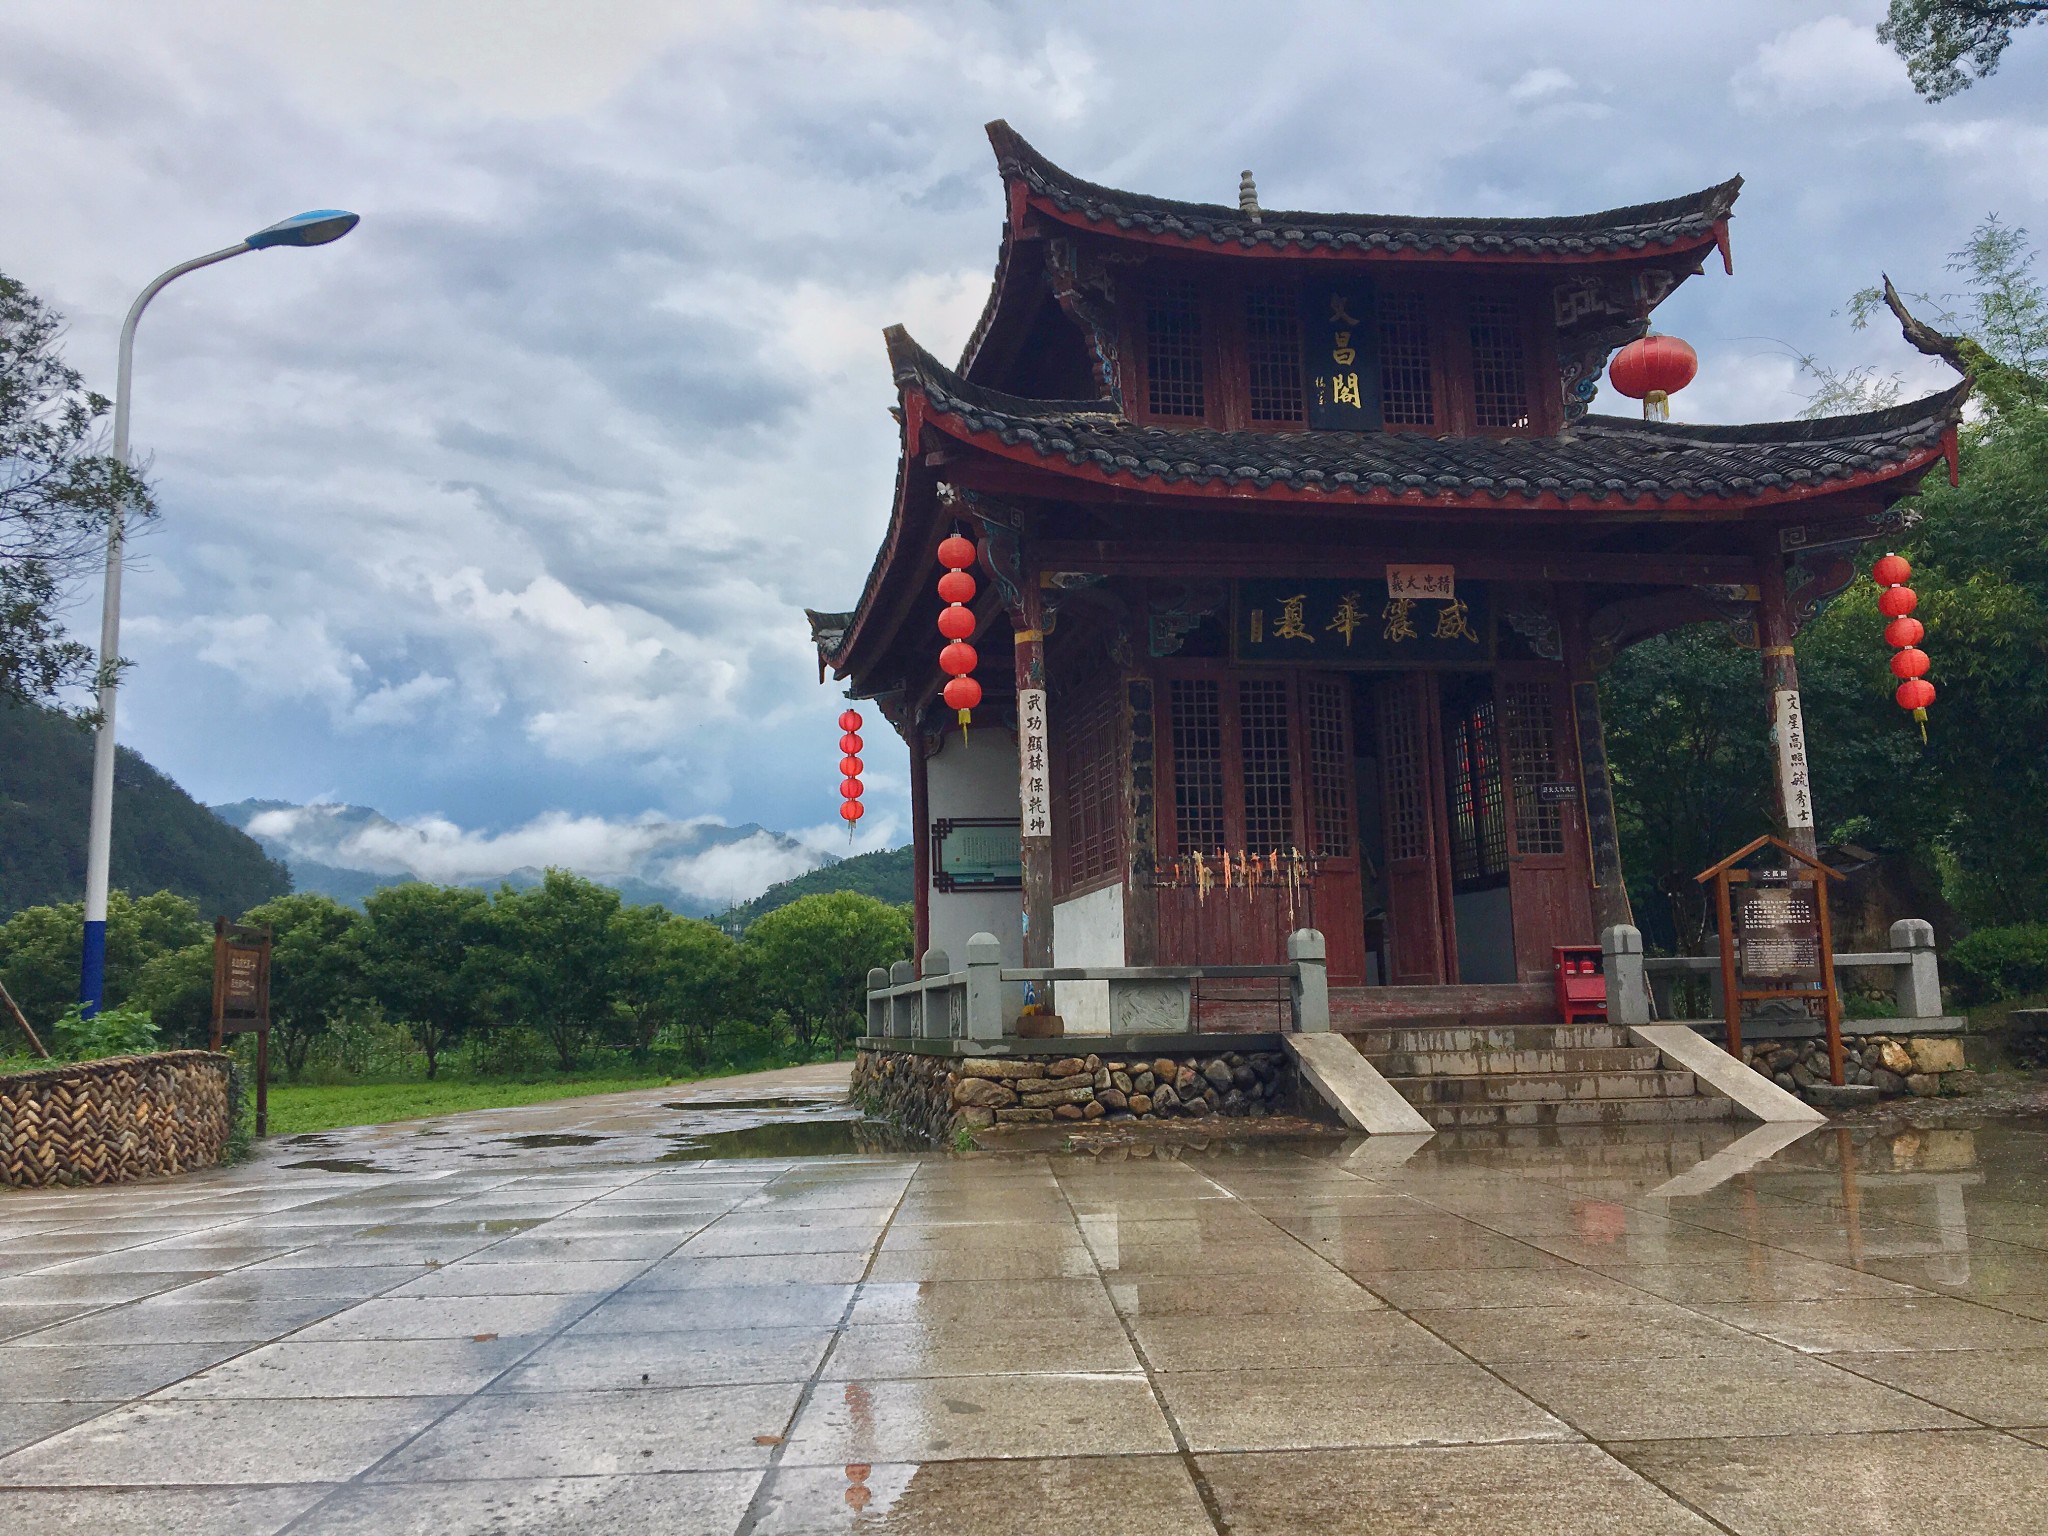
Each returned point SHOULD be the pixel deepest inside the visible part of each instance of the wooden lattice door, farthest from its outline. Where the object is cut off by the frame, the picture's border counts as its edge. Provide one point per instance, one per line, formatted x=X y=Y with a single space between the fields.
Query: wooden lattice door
x=1258 y=765
x=1549 y=862
x=1422 y=941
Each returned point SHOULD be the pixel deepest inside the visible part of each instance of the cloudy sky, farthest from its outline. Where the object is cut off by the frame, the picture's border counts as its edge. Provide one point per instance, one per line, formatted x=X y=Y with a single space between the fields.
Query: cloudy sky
x=502 y=512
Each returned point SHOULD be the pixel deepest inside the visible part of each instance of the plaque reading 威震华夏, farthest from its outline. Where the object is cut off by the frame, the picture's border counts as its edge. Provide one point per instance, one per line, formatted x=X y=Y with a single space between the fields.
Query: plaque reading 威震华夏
x=1358 y=623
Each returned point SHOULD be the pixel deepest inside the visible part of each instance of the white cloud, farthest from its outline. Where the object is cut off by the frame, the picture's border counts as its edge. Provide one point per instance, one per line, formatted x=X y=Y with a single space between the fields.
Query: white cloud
x=1824 y=65
x=1541 y=84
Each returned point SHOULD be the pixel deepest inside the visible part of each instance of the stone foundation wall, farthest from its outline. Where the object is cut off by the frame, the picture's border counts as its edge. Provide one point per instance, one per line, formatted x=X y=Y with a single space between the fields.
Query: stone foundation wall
x=127 y=1117
x=1924 y=1066
x=939 y=1096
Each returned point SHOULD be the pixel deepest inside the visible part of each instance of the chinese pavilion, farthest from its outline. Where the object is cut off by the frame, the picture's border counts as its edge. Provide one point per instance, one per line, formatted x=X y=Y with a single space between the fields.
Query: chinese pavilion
x=1303 y=527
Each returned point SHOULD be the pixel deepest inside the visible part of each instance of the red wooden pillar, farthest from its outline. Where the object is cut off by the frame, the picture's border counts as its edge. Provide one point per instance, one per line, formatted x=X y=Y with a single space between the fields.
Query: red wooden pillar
x=921 y=839
x=1791 y=784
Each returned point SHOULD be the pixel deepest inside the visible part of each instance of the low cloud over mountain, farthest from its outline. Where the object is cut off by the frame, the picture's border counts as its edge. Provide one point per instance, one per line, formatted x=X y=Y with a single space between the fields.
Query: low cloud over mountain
x=347 y=851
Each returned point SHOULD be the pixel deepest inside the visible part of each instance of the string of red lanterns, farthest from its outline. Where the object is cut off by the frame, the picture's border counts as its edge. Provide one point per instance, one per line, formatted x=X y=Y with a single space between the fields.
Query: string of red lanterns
x=849 y=769
x=956 y=623
x=1904 y=633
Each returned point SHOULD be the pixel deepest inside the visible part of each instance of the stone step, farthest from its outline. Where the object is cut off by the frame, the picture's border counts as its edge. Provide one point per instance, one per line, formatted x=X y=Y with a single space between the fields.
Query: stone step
x=1420 y=1038
x=1493 y=1062
x=1546 y=1087
x=1561 y=1114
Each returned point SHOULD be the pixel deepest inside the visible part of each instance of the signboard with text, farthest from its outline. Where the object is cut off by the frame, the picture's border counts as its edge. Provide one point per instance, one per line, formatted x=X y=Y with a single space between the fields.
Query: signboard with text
x=1340 y=344
x=977 y=853
x=1352 y=623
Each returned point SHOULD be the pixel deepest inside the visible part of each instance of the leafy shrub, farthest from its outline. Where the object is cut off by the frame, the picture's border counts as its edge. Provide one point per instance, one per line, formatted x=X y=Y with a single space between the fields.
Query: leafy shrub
x=123 y=1031
x=1996 y=963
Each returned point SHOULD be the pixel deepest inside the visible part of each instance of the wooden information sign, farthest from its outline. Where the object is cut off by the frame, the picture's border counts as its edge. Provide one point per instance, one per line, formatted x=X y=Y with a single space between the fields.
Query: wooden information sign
x=241 y=999
x=1775 y=939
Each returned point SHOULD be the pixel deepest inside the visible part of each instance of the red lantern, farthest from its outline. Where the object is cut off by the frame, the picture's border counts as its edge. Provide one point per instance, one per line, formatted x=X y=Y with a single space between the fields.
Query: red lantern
x=1891 y=571
x=1897 y=602
x=1649 y=370
x=1904 y=631
x=1916 y=693
x=849 y=769
x=1910 y=662
x=956 y=623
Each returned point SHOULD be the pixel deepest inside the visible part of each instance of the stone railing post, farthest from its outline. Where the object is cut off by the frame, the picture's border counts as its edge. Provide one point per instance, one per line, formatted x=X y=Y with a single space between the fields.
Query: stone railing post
x=1918 y=982
x=902 y=1009
x=934 y=1020
x=1311 y=985
x=878 y=1007
x=984 y=987
x=1628 y=998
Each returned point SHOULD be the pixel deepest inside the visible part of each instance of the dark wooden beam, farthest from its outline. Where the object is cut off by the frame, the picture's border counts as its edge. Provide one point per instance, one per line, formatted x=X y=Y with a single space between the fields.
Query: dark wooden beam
x=1214 y=560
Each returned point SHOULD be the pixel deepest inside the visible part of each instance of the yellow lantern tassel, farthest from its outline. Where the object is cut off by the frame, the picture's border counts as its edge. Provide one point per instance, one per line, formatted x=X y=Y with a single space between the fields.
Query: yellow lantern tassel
x=963 y=727
x=1921 y=716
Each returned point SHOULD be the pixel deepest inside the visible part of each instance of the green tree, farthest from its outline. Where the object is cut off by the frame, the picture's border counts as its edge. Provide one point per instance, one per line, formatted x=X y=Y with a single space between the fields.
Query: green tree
x=555 y=959
x=1949 y=45
x=176 y=986
x=39 y=948
x=57 y=496
x=315 y=970
x=421 y=958
x=811 y=960
x=676 y=973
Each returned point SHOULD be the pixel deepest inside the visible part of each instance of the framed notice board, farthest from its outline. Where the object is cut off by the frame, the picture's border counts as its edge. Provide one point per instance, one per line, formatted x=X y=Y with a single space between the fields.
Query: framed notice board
x=1776 y=942
x=978 y=853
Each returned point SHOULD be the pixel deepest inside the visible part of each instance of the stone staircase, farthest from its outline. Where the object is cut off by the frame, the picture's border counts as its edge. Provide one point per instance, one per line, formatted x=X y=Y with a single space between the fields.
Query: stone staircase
x=1504 y=1069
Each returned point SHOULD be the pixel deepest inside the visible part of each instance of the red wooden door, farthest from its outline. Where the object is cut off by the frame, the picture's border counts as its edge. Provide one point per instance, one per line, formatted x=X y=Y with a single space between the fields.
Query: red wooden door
x=1331 y=824
x=1549 y=861
x=1422 y=943
x=1257 y=765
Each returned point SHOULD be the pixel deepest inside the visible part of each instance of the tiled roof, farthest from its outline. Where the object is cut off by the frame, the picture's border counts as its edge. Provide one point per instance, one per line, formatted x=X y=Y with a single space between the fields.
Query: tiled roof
x=1648 y=228
x=1601 y=458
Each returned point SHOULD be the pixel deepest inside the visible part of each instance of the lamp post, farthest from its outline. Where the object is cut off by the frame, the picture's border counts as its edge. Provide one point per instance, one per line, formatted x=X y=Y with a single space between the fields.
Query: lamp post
x=315 y=228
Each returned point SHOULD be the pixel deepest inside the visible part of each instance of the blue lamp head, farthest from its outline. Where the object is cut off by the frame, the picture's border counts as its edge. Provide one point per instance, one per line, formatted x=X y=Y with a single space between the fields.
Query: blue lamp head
x=315 y=228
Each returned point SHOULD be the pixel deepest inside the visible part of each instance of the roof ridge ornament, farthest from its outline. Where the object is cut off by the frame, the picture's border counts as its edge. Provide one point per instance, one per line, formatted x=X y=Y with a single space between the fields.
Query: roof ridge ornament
x=1248 y=198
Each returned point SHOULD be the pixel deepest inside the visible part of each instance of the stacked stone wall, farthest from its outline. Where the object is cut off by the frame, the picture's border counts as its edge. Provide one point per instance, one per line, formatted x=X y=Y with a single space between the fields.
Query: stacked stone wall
x=1925 y=1066
x=939 y=1096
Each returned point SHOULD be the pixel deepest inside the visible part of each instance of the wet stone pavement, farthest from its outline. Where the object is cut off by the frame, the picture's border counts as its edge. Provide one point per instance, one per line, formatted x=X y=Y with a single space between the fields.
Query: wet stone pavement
x=597 y=1317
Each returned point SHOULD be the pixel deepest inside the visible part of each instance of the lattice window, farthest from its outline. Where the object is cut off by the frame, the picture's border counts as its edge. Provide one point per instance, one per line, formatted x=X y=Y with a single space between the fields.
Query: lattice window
x=1405 y=809
x=1091 y=799
x=1500 y=384
x=1267 y=763
x=1532 y=755
x=1195 y=708
x=1479 y=826
x=1407 y=380
x=1173 y=349
x=1329 y=768
x=1272 y=349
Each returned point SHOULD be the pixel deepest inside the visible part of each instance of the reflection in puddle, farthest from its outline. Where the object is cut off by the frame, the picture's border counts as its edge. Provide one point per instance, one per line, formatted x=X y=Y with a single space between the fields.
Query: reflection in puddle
x=340 y=1165
x=552 y=1139
x=796 y=1138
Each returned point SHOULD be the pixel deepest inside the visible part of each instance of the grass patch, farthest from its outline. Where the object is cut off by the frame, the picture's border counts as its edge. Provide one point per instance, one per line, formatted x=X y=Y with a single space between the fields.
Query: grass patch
x=296 y=1109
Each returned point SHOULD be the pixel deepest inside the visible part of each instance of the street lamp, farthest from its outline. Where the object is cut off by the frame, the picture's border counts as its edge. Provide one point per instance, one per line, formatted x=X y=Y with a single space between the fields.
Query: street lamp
x=316 y=228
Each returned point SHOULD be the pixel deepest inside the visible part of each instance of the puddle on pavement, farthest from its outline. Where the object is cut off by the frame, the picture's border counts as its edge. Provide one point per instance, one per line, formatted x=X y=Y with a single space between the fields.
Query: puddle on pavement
x=552 y=1139
x=804 y=1106
x=799 y=1138
x=340 y=1165
x=310 y=1140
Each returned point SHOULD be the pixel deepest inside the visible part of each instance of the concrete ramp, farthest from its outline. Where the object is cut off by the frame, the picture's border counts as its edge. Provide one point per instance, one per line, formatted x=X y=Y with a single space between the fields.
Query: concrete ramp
x=1354 y=1088
x=1718 y=1072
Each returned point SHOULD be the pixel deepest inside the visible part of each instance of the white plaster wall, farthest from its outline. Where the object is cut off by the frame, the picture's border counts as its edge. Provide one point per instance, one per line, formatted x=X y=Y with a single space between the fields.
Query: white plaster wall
x=977 y=779
x=1088 y=930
